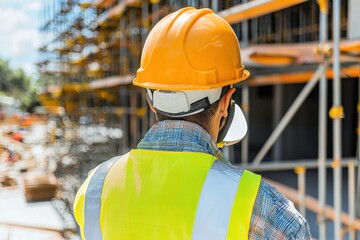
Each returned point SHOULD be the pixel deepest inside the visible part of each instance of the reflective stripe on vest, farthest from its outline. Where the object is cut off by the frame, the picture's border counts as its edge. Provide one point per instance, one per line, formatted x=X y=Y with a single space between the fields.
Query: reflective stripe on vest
x=169 y=195
x=215 y=203
x=93 y=200
x=216 y=208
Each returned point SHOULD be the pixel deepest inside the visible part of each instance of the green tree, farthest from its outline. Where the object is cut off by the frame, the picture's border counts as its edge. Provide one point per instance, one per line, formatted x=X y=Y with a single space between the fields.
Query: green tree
x=15 y=83
x=5 y=75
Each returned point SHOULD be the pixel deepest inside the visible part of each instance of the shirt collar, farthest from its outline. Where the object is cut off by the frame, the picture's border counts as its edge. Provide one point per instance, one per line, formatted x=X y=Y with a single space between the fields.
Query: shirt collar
x=180 y=136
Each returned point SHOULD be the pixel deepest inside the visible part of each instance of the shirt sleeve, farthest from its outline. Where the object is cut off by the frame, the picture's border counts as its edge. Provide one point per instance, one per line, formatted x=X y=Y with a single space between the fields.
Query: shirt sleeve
x=275 y=217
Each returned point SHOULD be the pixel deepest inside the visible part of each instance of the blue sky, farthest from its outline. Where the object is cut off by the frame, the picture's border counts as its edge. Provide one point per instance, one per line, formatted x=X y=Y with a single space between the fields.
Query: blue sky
x=19 y=34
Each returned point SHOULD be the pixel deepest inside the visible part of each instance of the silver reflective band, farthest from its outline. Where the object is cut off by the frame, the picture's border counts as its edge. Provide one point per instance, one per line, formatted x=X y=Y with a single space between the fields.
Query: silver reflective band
x=216 y=202
x=92 y=207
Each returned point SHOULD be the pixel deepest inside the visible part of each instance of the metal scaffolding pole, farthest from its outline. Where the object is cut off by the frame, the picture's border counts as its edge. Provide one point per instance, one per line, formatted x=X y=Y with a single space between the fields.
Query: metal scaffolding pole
x=358 y=152
x=145 y=21
x=245 y=94
x=300 y=172
x=205 y=3
x=352 y=210
x=133 y=38
x=322 y=131
x=357 y=184
x=155 y=9
x=215 y=5
x=123 y=51
x=144 y=118
x=277 y=106
x=245 y=108
x=289 y=114
x=134 y=128
x=336 y=113
x=291 y=165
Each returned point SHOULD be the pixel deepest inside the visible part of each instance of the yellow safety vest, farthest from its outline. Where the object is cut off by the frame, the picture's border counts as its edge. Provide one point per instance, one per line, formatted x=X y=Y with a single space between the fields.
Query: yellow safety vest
x=149 y=194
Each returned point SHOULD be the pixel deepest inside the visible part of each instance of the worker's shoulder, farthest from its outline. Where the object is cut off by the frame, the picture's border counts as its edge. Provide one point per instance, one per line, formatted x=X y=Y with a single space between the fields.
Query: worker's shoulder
x=278 y=214
x=109 y=163
x=106 y=165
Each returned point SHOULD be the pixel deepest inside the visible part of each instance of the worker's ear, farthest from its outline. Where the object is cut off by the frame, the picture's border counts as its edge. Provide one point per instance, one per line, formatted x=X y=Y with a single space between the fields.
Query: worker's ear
x=225 y=101
x=150 y=105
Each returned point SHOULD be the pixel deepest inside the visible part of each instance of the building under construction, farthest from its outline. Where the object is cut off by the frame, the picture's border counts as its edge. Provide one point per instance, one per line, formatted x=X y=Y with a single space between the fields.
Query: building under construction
x=91 y=52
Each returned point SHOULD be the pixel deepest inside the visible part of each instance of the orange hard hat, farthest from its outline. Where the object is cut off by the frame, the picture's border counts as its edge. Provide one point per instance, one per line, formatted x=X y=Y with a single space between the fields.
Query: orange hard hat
x=190 y=50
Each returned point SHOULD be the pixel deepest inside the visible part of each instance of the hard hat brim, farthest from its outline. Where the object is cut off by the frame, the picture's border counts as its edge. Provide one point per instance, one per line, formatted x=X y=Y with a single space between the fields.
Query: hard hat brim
x=179 y=86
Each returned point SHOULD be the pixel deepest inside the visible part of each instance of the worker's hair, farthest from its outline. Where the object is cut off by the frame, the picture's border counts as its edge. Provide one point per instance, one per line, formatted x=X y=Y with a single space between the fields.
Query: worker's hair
x=202 y=118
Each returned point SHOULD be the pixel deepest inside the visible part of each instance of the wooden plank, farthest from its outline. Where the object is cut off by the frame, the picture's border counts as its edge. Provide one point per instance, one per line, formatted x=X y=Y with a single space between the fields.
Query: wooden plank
x=300 y=77
x=269 y=63
x=32 y=227
x=111 y=82
x=273 y=58
x=351 y=47
x=256 y=8
x=116 y=12
x=104 y=3
x=295 y=53
x=312 y=204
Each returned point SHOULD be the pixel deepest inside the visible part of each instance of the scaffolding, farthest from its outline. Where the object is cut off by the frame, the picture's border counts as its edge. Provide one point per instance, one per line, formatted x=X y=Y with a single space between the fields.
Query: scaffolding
x=91 y=51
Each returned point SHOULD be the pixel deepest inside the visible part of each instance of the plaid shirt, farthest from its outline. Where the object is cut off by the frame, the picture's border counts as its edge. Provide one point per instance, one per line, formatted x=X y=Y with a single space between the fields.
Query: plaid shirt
x=274 y=216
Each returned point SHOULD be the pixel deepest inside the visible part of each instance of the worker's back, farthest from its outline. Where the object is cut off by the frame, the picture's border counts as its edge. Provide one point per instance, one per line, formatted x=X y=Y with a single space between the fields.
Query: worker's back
x=149 y=194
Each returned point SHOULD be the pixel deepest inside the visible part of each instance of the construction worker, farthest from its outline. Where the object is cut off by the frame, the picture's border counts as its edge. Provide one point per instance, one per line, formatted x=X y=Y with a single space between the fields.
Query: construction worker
x=177 y=184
